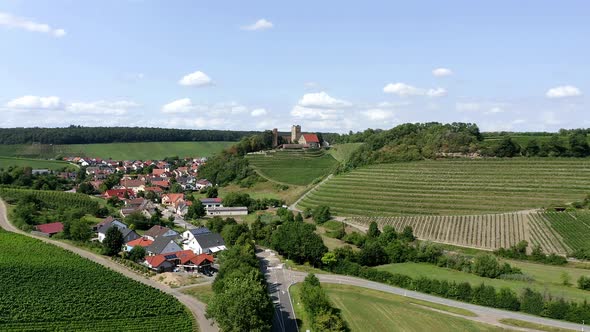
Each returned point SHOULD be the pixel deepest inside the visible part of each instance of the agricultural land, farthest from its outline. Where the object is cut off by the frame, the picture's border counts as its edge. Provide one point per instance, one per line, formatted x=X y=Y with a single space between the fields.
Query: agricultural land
x=6 y=162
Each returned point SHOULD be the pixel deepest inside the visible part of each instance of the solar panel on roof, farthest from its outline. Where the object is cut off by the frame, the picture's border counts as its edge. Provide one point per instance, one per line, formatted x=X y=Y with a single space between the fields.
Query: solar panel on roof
x=170 y=256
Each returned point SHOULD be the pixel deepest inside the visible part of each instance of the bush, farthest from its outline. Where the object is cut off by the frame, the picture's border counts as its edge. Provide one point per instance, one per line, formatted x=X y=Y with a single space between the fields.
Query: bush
x=321 y=214
x=584 y=283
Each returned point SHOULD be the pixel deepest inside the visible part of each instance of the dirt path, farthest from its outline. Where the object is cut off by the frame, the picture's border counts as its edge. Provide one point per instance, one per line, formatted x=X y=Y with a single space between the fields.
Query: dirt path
x=293 y=206
x=197 y=308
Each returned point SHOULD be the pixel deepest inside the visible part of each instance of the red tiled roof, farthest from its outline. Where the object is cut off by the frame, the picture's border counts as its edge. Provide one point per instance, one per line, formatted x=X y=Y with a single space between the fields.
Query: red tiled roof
x=201 y=258
x=155 y=261
x=142 y=242
x=161 y=183
x=119 y=192
x=156 y=171
x=154 y=189
x=172 y=198
x=52 y=228
x=311 y=138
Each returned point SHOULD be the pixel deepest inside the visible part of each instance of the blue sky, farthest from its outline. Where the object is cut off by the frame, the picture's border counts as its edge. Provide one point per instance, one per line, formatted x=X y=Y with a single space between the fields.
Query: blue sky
x=327 y=65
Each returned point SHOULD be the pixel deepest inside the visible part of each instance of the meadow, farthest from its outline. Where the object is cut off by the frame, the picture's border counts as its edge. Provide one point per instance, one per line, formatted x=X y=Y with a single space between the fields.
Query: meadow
x=117 y=151
x=342 y=152
x=541 y=283
x=454 y=187
x=370 y=310
x=6 y=162
x=47 y=288
x=293 y=167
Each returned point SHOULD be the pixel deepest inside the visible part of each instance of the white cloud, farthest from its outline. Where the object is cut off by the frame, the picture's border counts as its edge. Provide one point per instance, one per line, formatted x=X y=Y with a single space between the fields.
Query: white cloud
x=35 y=102
x=15 y=22
x=197 y=79
x=563 y=91
x=441 y=72
x=102 y=107
x=402 y=89
x=261 y=24
x=183 y=105
x=322 y=100
x=301 y=112
x=495 y=110
x=258 y=112
x=377 y=114
x=467 y=107
x=438 y=92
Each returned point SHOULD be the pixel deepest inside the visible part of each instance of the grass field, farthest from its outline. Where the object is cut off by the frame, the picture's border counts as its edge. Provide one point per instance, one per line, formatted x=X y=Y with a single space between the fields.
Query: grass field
x=369 y=310
x=266 y=189
x=454 y=187
x=293 y=167
x=118 y=151
x=533 y=326
x=342 y=152
x=203 y=293
x=6 y=162
x=487 y=232
x=46 y=288
x=541 y=283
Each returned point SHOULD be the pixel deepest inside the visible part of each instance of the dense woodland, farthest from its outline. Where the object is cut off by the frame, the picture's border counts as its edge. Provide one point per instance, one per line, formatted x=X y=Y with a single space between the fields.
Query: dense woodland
x=88 y=135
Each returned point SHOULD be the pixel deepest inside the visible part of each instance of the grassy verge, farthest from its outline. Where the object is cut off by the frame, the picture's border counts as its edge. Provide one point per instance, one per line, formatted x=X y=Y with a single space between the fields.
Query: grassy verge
x=203 y=293
x=534 y=326
x=303 y=320
x=442 y=307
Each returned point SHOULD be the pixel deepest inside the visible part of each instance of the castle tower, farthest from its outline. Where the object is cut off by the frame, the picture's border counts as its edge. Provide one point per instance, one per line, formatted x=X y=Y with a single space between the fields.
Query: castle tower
x=275 y=137
x=295 y=133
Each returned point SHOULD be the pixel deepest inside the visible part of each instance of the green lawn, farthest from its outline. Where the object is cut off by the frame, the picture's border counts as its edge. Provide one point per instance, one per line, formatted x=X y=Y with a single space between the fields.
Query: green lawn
x=454 y=187
x=6 y=162
x=534 y=326
x=370 y=310
x=294 y=167
x=119 y=151
x=203 y=293
x=549 y=273
x=542 y=284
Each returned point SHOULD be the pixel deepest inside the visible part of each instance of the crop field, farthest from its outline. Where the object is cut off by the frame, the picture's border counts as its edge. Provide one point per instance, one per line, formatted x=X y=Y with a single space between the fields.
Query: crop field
x=369 y=310
x=6 y=162
x=117 y=151
x=574 y=227
x=293 y=167
x=45 y=288
x=454 y=187
x=488 y=232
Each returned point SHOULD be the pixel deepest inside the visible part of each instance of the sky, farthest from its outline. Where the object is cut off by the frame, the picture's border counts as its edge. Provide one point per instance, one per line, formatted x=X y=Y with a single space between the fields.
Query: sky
x=330 y=66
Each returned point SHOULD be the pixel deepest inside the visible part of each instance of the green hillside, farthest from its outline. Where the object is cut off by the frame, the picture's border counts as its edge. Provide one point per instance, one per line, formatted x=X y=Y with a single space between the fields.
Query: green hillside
x=293 y=167
x=342 y=152
x=454 y=187
x=119 y=151
x=45 y=288
x=6 y=162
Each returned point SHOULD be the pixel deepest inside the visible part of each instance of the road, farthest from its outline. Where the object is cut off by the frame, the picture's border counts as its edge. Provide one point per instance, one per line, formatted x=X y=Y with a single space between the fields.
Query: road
x=279 y=280
x=196 y=307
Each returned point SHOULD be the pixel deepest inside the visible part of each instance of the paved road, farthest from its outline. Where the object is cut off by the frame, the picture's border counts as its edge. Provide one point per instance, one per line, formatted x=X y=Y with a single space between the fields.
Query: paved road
x=279 y=280
x=196 y=307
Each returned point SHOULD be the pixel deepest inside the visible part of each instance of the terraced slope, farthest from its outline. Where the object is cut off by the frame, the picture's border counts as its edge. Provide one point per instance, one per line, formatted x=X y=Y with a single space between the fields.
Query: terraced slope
x=296 y=167
x=574 y=227
x=489 y=232
x=454 y=187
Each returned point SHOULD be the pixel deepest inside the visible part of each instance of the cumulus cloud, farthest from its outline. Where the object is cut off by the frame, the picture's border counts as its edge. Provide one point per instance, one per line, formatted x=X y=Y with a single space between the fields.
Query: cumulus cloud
x=563 y=91
x=261 y=24
x=35 y=103
x=406 y=90
x=441 y=72
x=322 y=100
x=197 y=79
x=377 y=114
x=102 y=107
x=258 y=112
x=183 y=105
x=14 y=22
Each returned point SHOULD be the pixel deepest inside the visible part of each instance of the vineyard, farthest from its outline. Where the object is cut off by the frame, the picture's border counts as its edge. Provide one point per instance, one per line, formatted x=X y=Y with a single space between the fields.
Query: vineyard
x=489 y=232
x=53 y=199
x=45 y=288
x=454 y=187
x=574 y=227
x=295 y=167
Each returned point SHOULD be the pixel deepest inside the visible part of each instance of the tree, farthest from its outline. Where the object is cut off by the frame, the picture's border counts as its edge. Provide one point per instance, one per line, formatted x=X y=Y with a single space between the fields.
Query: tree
x=299 y=217
x=373 y=231
x=138 y=221
x=531 y=302
x=566 y=279
x=196 y=210
x=408 y=234
x=243 y=305
x=506 y=148
x=231 y=232
x=237 y=199
x=486 y=266
x=137 y=254
x=372 y=254
x=584 y=283
x=80 y=231
x=176 y=188
x=113 y=241
x=321 y=214
x=329 y=259
x=212 y=192
x=532 y=148
x=579 y=145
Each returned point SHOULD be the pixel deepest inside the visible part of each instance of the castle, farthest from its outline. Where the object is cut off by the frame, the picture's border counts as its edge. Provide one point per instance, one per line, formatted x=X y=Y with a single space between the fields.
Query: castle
x=296 y=140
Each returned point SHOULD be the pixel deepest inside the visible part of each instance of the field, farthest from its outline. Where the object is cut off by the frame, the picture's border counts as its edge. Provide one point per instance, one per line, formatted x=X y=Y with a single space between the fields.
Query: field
x=369 y=310
x=487 y=232
x=118 y=151
x=540 y=284
x=47 y=288
x=293 y=167
x=574 y=227
x=6 y=162
x=342 y=152
x=203 y=293
x=454 y=187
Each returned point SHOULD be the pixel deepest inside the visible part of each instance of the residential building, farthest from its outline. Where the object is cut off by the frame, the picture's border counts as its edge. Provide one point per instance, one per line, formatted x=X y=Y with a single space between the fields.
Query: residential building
x=202 y=241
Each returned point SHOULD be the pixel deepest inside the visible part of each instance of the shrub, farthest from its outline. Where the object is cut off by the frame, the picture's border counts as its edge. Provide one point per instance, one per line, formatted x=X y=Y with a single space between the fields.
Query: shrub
x=584 y=283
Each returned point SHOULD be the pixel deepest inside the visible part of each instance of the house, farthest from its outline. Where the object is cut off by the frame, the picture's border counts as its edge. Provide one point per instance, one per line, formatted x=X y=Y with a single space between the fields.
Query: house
x=157 y=231
x=211 y=203
x=142 y=242
x=165 y=184
x=50 y=229
x=144 y=206
x=171 y=199
x=311 y=140
x=203 y=183
x=119 y=193
x=131 y=184
x=102 y=230
x=160 y=263
x=162 y=245
x=227 y=211
x=40 y=171
x=129 y=235
x=190 y=262
x=202 y=241
x=106 y=220
x=181 y=208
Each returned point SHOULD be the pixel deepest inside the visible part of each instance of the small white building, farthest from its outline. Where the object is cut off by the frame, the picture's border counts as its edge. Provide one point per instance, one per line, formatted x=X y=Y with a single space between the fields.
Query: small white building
x=202 y=241
x=228 y=211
